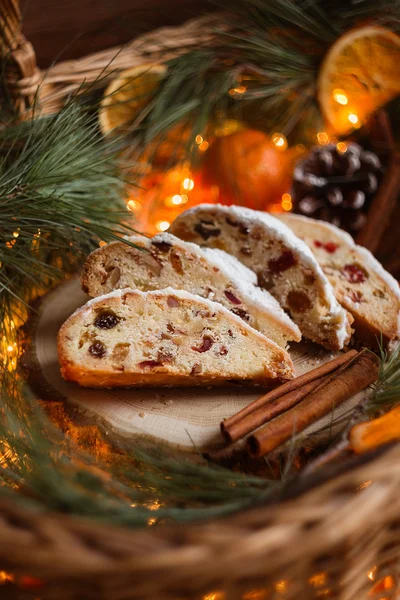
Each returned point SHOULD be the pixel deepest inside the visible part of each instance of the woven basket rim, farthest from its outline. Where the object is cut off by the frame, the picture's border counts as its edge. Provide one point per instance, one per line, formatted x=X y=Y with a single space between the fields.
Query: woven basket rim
x=323 y=528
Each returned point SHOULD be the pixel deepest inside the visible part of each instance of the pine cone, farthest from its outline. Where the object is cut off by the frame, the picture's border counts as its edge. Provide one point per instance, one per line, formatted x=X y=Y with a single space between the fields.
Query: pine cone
x=336 y=186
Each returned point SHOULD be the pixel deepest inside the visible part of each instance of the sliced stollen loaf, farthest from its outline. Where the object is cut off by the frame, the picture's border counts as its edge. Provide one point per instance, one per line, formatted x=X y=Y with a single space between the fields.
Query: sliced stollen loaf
x=284 y=264
x=171 y=262
x=165 y=337
x=359 y=281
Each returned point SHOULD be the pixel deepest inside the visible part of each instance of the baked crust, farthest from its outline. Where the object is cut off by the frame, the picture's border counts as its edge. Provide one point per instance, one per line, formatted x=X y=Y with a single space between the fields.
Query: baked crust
x=166 y=261
x=166 y=337
x=283 y=263
x=359 y=281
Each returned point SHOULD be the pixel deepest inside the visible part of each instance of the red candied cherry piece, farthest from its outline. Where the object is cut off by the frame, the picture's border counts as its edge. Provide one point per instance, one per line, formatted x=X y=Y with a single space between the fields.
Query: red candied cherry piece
x=354 y=273
x=331 y=247
x=282 y=263
x=232 y=298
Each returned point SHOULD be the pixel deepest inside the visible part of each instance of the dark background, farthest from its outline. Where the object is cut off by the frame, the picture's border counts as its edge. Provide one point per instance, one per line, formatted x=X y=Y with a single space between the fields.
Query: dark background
x=63 y=29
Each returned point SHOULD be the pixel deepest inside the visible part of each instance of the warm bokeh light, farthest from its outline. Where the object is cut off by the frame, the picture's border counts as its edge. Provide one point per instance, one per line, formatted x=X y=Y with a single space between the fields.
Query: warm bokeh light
x=240 y=89
x=214 y=596
x=204 y=146
x=162 y=225
x=372 y=574
x=256 y=595
x=322 y=137
x=353 y=118
x=188 y=184
x=341 y=147
x=227 y=127
x=102 y=243
x=134 y=205
x=16 y=234
x=340 y=97
x=279 y=140
x=287 y=202
x=318 y=580
x=177 y=199
x=199 y=139
x=281 y=586
x=5 y=576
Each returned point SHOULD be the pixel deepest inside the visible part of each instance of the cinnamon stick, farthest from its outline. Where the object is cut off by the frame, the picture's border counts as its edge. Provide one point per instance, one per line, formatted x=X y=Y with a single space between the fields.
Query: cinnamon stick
x=273 y=403
x=354 y=377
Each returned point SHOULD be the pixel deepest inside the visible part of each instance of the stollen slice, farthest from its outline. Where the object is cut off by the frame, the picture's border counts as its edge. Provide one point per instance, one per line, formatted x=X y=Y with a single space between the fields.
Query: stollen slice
x=284 y=264
x=168 y=261
x=359 y=281
x=167 y=337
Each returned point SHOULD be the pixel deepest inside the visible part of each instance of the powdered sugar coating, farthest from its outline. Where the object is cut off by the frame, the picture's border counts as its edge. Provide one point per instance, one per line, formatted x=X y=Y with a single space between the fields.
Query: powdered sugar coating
x=244 y=278
x=287 y=237
x=364 y=253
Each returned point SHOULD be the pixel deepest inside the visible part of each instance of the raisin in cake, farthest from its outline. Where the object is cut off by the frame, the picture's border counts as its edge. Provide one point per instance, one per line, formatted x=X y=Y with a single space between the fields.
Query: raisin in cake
x=360 y=282
x=170 y=262
x=283 y=263
x=166 y=337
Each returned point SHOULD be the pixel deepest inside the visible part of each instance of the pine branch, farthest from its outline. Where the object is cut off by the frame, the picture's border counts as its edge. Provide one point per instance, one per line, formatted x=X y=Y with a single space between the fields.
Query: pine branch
x=275 y=48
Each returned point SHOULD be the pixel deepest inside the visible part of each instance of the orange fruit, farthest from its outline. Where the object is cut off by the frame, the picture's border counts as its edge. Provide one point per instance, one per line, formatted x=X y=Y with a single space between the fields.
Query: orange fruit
x=359 y=75
x=248 y=169
x=127 y=95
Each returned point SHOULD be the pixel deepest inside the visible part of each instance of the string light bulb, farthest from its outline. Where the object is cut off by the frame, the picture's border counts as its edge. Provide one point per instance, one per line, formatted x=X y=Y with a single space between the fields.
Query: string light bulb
x=162 y=225
x=203 y=146
x=188 y=184
x=340 y=97
x=199 y=139
x=353 y=118
x=177 y=199
x=341 y=147
x=287 y=202
x=322 y=137
x=240 y=89
x=134 y=205
x=279 y=141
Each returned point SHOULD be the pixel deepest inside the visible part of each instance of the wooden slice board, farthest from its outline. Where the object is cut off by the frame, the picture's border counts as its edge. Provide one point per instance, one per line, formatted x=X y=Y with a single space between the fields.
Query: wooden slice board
x=187 y=418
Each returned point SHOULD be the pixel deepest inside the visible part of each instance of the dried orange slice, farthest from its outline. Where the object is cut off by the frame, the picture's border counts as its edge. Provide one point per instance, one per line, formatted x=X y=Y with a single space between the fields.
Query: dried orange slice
x=127 y=95
x=358 y=76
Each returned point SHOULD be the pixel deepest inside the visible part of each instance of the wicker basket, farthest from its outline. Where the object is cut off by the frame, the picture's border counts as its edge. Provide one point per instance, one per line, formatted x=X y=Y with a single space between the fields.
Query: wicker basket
x=328 y=542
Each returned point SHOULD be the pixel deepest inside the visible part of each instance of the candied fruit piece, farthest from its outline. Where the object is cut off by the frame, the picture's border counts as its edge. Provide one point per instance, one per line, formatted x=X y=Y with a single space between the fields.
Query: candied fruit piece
x=196 y=369
x=242 y=228
x=232 y=298
x=330 y=247
x=241 y=313
x=282 y=263
x=97 y=350
x=106 y=320
x=172 y=303
x=205 y=345
x=206 y=230
x=355 y=273
x=149 y=363
x=176 y=263
x=355 y=296
x=162 y=245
